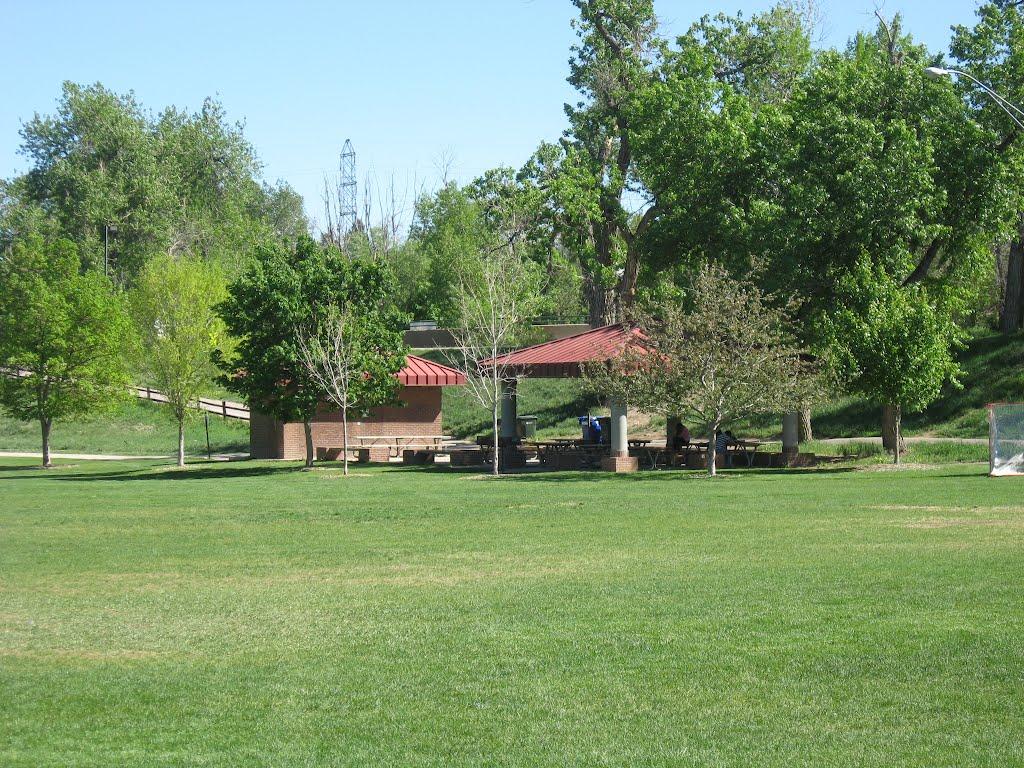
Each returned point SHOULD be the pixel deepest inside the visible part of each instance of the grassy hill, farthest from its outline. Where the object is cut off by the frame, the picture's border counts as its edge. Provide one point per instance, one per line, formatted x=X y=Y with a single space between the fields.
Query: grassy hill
x=134 y=428
x=993 y=372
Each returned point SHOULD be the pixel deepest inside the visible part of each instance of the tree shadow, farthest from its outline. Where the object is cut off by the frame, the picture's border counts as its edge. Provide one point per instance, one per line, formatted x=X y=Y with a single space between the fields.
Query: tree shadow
x=204 y=471
x=667 y=475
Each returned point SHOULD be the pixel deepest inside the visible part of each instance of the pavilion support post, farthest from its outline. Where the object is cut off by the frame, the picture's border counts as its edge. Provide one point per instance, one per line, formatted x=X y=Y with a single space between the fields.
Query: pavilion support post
x=508 y=410
x=790 y=438
x=508 y=435
x=619 y=460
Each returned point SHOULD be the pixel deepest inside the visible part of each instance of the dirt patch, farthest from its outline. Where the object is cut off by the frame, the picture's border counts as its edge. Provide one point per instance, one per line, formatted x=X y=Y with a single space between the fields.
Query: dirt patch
x=930 y=523
x=897 y=468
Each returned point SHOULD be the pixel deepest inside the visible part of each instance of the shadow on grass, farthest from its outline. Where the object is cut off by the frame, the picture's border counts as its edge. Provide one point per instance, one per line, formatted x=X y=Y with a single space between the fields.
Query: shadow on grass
x=542 y=475
x=205 y=471
x=665 y=475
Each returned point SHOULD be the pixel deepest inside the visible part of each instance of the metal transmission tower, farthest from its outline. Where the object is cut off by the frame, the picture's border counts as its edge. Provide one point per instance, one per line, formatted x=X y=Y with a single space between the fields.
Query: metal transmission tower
x=347 y=189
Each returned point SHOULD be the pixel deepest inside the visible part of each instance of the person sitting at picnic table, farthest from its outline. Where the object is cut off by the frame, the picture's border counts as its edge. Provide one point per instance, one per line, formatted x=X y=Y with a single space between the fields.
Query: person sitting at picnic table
x=595 y=430
x=681 y=439
x=722 y=442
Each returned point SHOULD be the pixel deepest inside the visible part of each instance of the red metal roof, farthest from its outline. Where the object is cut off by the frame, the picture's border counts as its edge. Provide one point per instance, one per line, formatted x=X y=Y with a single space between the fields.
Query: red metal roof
x=419 y=372
x=562 y=358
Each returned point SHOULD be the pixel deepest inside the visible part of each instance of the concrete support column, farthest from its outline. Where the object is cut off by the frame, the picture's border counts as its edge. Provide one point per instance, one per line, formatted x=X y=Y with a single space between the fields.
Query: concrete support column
x=619 y=437
x=619 y=459
x=508 y=411
x=790 y=437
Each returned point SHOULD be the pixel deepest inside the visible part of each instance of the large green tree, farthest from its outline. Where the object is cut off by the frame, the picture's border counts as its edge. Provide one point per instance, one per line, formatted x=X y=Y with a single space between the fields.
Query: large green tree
x=280 y=297
x=993 y=52
x=863 y=158
x=115 y=177
x=64 y=336
x=589 y=177
x=894 y=343
x=173 y=308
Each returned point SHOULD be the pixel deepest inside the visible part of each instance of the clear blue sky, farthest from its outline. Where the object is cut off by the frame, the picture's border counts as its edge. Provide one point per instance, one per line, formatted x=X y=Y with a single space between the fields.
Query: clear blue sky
x=411 y=82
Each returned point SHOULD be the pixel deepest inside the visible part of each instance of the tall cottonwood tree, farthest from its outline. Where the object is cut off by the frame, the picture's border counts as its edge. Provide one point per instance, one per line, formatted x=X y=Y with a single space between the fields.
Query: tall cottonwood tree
x=993 y=52
x=589 y=176
x=865 y=158
x=171 y=183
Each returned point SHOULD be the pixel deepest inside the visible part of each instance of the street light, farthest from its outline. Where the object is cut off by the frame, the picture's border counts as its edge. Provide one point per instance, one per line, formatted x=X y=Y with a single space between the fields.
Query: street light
x=1007 y=106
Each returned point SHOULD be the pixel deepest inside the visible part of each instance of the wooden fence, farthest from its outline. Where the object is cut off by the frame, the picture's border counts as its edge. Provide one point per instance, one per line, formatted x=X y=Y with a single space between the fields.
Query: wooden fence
x=225 y=408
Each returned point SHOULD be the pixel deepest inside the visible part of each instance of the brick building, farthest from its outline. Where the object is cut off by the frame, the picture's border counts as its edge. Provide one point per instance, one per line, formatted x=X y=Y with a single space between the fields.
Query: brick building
x=419 y=414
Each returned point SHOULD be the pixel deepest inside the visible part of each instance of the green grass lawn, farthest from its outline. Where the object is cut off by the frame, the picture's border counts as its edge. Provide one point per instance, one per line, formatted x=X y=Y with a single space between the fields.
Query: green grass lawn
x=134 y=428
x=250 y=614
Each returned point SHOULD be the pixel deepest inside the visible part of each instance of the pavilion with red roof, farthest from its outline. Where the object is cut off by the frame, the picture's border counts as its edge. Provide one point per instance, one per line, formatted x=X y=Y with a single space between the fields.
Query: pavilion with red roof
x=417 y=417
x=564 y=358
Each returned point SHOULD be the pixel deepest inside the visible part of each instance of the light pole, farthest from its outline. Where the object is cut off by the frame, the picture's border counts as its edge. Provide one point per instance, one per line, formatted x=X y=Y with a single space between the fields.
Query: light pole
x=1011 y=109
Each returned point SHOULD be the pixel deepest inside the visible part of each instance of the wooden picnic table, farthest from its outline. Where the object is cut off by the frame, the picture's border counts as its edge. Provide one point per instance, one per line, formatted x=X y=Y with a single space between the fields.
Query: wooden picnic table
x=588 y=452
x=398 y=443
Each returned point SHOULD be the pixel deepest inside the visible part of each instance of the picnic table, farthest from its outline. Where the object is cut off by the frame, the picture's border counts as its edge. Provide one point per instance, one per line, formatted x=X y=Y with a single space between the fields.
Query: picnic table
x=645 y=448
x=398 y=443
x=559 y=450
x=747 y=448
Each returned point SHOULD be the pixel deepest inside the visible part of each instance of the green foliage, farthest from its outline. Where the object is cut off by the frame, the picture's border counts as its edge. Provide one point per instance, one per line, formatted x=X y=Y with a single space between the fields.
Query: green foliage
x=893 y=343
x=173 y=183
x=173 y=308
x=449 y=228
x=283 y=292
x=993 y=52
x=67 y=332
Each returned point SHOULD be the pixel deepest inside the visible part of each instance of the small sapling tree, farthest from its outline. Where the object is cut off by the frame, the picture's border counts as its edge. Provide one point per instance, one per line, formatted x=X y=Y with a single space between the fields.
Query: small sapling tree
x=727 y=354
x=496 y=297
x=173 y=308
x=352 y=356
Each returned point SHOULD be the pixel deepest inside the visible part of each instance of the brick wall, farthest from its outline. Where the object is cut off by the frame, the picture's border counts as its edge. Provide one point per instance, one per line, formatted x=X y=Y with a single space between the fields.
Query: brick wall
x=420 y=414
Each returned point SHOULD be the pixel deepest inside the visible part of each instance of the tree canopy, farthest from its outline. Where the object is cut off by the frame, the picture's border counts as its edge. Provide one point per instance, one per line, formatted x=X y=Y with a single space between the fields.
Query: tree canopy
x=64 y=336
x=103 y=168
x=282 y=293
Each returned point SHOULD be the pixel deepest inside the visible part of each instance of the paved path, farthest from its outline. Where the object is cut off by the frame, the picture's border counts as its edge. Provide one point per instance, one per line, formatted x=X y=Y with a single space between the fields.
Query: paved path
x=114 y=457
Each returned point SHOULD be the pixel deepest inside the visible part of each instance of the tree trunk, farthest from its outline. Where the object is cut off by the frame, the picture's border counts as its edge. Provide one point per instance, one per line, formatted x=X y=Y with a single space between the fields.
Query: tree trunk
x=495 y=466
x=600 y=304
x=344 y=439
x=897 y=418
x=805 y=430
x=181 y=441
x=891 y=436
x=46 y=424
x=1012 y=316
x=712 y=451
x=308 y=429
